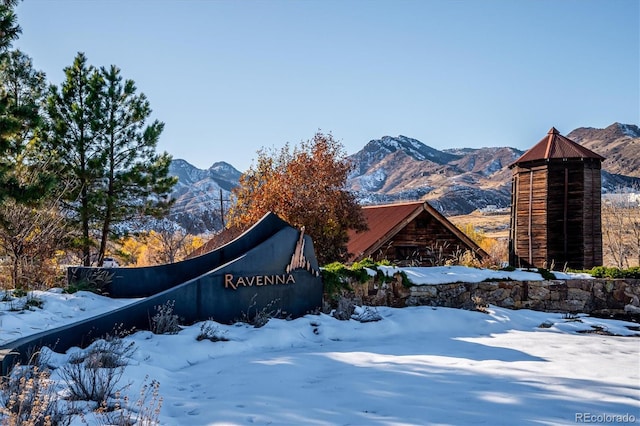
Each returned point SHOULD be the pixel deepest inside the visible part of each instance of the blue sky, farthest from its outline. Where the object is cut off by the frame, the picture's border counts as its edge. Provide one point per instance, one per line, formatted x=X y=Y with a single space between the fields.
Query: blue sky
x=230 y=77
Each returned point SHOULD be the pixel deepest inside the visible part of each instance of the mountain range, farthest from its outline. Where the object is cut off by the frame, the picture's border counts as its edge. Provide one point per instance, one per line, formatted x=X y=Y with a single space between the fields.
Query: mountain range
x=455 y=181
x=201 y=195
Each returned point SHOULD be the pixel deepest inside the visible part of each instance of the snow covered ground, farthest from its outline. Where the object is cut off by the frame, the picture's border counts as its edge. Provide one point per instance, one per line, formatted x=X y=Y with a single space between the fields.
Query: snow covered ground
x=59 y=309
x=452 y=274
x=416 y=366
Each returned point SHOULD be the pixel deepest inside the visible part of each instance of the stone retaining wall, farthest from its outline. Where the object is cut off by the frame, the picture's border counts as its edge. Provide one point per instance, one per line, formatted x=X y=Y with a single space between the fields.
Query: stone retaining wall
x=591 y=296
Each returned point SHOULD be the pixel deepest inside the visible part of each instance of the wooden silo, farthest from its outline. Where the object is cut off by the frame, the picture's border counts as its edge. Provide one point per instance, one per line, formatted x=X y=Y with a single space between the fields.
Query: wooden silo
x=556 y=206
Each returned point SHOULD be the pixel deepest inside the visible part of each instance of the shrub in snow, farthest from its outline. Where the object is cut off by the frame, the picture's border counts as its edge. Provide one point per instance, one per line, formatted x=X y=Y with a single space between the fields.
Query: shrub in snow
x=96 y=280
x=94 y=374
x=366 y=314
x=345 y=309
x=546 y=274
x=546 y=324
x=261 y=316
x=210 y=331
x=145 y=411
x=28 y=397
x=20 y=300
x=33 y=302
x=571 y=316
x=165 y=321
x=479 y=304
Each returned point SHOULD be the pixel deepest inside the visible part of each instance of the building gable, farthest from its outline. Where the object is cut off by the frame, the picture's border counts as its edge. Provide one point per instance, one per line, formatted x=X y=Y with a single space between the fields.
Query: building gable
x=416 y=231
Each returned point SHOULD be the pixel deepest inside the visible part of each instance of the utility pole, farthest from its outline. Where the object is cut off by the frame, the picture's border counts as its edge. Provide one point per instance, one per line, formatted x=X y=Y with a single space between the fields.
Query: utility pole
x=221 y=209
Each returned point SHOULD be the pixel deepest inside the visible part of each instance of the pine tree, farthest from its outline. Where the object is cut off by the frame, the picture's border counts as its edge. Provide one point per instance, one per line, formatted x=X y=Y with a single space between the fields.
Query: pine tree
x=136 y=182
x=20 y=92
x=9 y=31
x=72 y=139
x=102 y=142
x=9 y=28
x=22 y=161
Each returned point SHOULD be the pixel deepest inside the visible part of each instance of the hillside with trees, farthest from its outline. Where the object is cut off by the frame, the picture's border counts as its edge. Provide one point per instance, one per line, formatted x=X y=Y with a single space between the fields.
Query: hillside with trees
x=78 y=164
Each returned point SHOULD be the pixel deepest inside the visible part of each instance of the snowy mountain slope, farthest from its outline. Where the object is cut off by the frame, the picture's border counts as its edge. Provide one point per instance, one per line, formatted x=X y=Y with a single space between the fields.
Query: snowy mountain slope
x=377 y=149
x=456 y=181
x=618 y=143
x=461 y=180
x=198 y=192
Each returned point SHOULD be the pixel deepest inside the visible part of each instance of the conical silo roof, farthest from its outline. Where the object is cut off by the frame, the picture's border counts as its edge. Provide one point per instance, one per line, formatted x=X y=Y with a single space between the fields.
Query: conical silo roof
x=556 y=146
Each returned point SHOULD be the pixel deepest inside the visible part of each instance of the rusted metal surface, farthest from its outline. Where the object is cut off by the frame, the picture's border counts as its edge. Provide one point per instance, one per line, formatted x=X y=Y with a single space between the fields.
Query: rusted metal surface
x=556 y=146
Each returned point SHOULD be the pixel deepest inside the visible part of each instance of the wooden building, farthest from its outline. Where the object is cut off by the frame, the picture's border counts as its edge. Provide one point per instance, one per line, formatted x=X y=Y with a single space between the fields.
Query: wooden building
x=413 y=234
x=556 y=206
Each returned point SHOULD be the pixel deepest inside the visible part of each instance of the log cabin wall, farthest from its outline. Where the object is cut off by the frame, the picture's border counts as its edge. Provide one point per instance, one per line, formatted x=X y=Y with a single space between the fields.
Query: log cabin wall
x=574 y=214
x=556 y=215
x=565 y=214
x=424 y=241
x=529 y=218
x=592 y=218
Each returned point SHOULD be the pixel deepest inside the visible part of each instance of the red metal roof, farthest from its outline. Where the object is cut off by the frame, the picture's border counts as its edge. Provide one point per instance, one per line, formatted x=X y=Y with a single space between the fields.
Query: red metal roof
x=385 y=221
x=554 y=145
x=381 y=220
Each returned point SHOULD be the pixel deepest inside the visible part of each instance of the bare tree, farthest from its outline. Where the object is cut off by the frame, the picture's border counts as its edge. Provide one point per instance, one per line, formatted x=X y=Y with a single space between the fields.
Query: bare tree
x=29 y=238
x=621 y=229
x=169 y=243
x=634 y=225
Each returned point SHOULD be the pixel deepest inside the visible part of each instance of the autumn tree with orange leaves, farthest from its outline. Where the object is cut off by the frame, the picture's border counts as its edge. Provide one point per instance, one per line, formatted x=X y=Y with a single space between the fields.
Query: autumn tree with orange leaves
x=305 y=186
